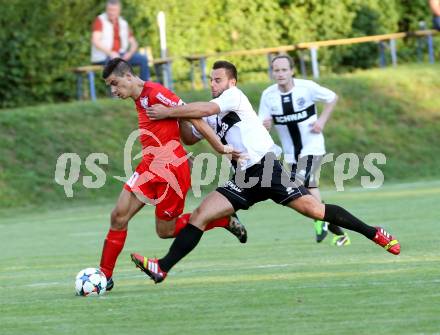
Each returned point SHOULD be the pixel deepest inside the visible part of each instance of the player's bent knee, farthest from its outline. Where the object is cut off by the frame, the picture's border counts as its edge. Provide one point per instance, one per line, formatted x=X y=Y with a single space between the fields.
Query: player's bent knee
x=118 y=221
x=165 y=228
x=309 y=206
x=198 y=218
x=315 y=212
x=165 y=232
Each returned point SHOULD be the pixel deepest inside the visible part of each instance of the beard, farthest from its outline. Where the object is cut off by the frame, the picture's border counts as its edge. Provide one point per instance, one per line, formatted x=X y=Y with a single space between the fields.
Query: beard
x=218 y=93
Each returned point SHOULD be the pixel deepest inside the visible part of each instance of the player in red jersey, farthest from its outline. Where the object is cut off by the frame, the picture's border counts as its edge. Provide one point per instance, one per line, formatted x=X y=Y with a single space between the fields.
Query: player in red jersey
x=163 y=176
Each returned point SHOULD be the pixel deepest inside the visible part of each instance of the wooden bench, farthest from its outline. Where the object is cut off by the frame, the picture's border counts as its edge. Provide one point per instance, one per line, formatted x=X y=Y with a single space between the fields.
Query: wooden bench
x=161 y=66
x=201 y=59
x=89 y=70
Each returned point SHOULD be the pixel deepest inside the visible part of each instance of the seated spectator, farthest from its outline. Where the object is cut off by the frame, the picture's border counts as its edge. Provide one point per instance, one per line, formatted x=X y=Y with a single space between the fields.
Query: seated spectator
x=112 y=37
x=435 y=8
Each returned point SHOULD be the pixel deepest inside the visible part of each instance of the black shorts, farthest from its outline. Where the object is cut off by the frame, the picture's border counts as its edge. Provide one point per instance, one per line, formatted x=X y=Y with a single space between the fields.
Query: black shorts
x=265 y=180
x=307 y=170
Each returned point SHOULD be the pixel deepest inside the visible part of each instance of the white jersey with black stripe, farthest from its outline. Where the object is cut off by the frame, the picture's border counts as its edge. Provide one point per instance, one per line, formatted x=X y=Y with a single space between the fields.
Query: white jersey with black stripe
x=237 y=124
x=293 y=113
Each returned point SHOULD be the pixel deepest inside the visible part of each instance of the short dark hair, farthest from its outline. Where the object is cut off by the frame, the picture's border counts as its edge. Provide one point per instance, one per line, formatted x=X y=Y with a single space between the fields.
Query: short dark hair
x=285 y=56
x=118 y=67
x=113 y=2
x=231 y=70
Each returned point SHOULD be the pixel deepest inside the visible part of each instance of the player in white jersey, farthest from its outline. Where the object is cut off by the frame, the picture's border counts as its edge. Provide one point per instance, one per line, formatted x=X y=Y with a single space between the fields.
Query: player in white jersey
x=260 y=177
x=290 y=105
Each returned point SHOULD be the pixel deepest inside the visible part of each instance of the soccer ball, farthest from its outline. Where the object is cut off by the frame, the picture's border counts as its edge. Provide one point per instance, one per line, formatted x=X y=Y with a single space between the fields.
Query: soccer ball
x=90 y=282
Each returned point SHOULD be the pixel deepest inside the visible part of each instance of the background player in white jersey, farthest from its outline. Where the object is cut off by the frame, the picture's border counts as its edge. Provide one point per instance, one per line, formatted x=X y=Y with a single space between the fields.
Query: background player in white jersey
x=290 y=105
x=260 y=177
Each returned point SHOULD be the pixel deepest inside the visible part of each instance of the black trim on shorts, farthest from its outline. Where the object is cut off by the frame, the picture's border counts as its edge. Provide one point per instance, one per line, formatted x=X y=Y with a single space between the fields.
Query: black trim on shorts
x=242 y=197
x=310 y=171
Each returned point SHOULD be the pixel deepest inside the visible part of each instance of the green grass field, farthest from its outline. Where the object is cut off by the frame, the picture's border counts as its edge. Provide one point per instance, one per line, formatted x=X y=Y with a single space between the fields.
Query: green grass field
x=281 y=282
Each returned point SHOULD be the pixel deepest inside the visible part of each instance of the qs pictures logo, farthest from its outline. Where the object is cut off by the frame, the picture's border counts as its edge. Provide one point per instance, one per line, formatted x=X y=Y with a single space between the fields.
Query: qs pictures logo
x=157 y=162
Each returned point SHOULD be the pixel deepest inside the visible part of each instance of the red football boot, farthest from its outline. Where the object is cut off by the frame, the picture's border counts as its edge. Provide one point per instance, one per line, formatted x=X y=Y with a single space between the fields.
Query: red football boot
x=385 y=240
x=150 y=266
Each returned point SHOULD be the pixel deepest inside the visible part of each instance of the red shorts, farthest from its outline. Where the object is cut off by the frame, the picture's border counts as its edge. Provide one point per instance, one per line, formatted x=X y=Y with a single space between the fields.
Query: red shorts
x=163 y=187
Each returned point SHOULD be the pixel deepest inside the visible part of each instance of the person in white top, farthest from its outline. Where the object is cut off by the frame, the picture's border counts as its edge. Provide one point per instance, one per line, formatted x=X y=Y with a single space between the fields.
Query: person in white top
x=112 y=37
x=261 y=176
x=237 y=125
x=290 y=105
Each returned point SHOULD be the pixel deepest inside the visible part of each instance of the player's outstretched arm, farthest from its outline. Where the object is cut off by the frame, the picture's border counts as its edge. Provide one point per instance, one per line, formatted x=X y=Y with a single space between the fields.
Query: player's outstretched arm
x=267 y=123
x=188 y=111
x=206 y=131
x=186 y=132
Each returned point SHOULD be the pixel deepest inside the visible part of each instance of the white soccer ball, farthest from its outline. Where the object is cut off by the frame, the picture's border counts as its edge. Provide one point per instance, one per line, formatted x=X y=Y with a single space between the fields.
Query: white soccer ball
x=90 y=282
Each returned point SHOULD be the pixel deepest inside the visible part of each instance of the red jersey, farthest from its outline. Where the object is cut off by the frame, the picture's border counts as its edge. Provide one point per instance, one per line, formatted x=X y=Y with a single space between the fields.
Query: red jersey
x=163 y=177
x=158 y=133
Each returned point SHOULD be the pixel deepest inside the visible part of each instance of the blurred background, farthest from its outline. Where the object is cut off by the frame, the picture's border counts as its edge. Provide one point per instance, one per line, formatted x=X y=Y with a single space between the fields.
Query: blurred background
x=42 y=41
x=387 y=104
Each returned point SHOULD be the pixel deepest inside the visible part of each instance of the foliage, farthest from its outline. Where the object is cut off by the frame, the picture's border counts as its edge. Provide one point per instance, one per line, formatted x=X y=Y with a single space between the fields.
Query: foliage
x=373 y=17
x=43 y=40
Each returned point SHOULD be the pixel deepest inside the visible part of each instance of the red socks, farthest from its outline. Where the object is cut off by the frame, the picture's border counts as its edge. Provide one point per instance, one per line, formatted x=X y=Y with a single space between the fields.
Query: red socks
x=113 y=244
x=222 y=222
x=183 y=220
